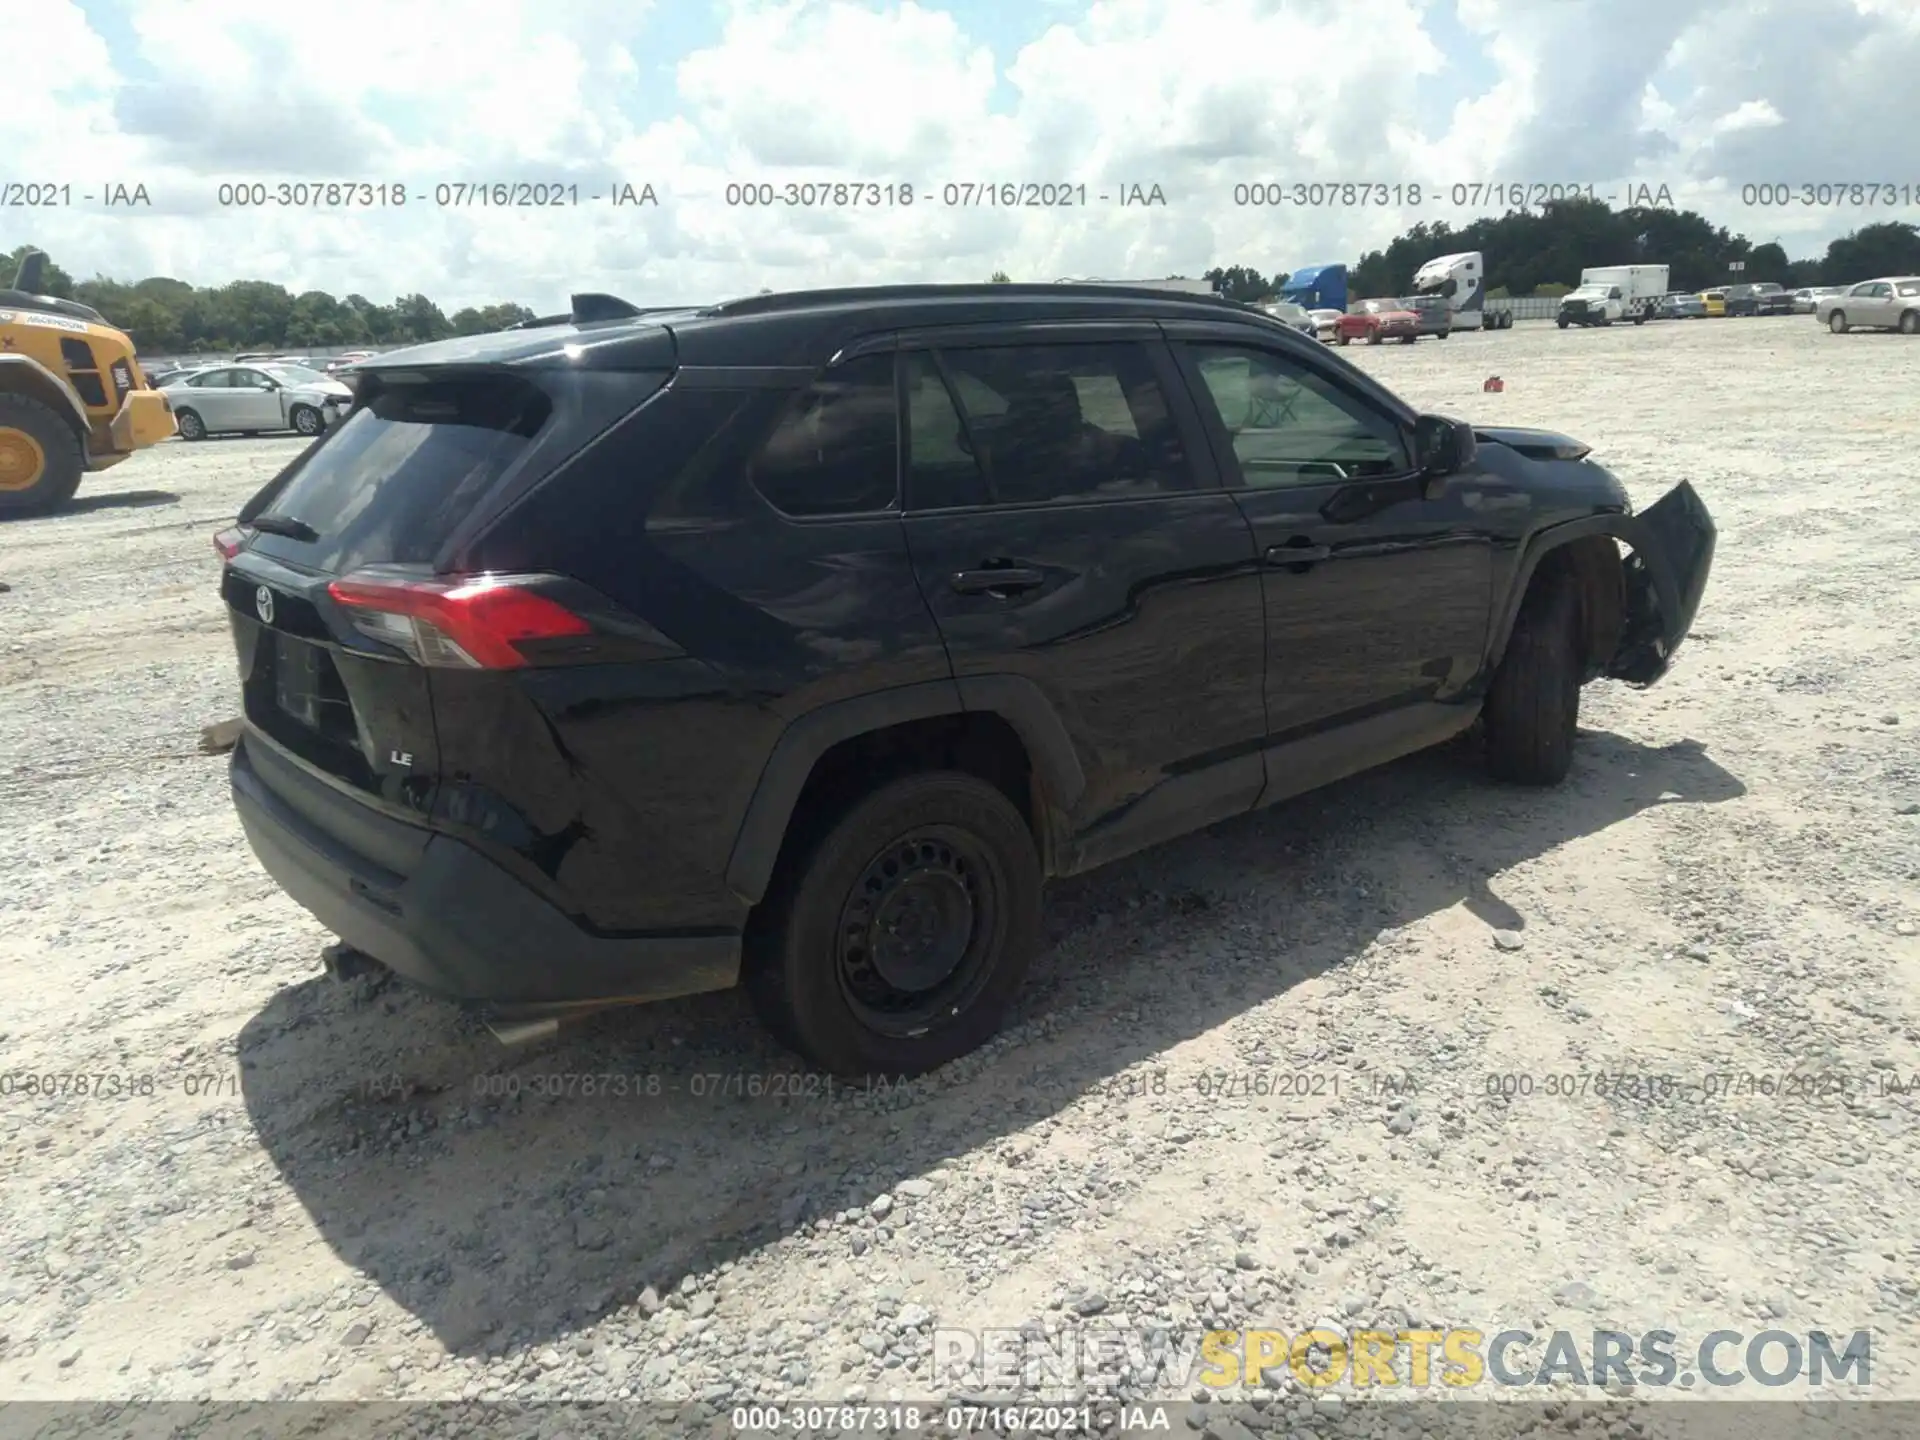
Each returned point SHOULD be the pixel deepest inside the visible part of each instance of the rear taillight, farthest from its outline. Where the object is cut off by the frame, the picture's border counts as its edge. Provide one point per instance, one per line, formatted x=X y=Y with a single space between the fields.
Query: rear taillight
x=477 y=624
x=232 y=541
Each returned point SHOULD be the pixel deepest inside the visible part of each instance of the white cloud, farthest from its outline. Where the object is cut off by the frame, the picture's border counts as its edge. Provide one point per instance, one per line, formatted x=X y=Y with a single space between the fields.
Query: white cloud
x=1192 y=95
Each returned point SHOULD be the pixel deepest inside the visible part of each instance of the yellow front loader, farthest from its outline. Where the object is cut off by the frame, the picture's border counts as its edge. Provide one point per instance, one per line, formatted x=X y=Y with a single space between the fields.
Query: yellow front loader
x=72 y=398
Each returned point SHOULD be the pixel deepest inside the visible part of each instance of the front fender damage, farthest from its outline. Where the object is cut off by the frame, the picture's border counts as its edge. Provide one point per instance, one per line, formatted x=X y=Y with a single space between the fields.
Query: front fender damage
x=1671 y=552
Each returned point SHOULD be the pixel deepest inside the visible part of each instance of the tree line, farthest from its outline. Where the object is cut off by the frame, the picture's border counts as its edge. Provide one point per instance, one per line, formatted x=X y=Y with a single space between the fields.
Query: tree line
x=167 y=316
x=1528 y=252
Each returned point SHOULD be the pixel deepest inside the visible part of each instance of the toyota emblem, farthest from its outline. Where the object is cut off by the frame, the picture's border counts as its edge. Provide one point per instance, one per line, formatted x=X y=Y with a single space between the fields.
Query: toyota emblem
x=263 y=602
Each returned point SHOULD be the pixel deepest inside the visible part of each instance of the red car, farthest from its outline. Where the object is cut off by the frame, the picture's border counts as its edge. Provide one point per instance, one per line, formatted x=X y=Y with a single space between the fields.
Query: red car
x=1375 y=321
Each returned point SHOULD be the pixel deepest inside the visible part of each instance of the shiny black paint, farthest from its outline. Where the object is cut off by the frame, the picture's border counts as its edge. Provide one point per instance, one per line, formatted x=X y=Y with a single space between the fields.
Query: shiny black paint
x=641 y=784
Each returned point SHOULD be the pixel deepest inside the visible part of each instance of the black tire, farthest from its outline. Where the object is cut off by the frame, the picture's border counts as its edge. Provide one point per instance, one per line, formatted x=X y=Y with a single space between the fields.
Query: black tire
x=1910 y=322
x=1837 y=322
x=1376 y=338
x=190 y=425
x=41 y=458
x=1532 y=710
x=1408 y=339
x=822 y=993
x=1562 y=322
x=1343 y=339
x=1443 y=335
x=307 y=420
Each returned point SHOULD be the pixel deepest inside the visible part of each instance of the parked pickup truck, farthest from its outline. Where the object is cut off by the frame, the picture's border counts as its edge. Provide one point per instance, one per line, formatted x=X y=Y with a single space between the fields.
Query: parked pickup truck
x=1765 y=298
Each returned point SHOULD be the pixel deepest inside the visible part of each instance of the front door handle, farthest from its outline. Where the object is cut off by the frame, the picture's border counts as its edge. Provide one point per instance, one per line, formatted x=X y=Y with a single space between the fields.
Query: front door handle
x=1303 y=554
x=998 y=580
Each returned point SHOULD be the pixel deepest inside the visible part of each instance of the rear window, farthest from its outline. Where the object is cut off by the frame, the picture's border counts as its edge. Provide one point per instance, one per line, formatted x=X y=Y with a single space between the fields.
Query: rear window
x=391 y=483
x=421 y=454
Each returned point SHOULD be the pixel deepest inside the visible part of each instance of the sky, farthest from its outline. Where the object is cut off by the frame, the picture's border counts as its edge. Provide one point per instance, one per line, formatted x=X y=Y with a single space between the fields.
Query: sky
x=1190 y=101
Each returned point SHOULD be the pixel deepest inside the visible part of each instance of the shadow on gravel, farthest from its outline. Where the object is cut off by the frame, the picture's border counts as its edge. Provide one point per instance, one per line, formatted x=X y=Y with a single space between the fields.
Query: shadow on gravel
x=114 y=500
x=503 y=1217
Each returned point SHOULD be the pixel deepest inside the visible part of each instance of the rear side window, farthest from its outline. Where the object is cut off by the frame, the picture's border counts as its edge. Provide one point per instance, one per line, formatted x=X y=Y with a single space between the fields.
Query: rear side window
x=391 y=484
x=1054 y=424
x=835 y=448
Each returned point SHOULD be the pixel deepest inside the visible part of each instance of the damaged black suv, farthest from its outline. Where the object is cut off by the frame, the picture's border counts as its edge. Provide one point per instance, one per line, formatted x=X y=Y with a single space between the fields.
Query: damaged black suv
x=796 y=641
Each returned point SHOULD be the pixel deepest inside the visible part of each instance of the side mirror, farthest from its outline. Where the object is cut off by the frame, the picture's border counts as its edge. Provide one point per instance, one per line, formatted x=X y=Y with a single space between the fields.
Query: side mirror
x=1442 y=446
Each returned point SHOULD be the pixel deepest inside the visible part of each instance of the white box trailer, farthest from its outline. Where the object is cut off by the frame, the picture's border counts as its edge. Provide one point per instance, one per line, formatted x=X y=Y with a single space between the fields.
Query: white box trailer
x=1614 y=292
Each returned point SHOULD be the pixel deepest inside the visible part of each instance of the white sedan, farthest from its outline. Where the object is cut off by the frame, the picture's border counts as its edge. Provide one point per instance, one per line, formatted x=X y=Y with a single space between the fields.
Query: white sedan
x=1890 y=303
x=252 y=399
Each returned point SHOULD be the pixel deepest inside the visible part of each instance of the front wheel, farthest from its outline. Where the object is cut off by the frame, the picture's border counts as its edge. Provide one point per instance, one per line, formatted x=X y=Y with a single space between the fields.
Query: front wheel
x=41 y=459
x=1375 y=338
x=307 y=421
x=1837 y=322
x=1344 y=339
x=1532 y=711
x=190 y=425
x=1408 y=339
x=1562 y=322
x=897 y=940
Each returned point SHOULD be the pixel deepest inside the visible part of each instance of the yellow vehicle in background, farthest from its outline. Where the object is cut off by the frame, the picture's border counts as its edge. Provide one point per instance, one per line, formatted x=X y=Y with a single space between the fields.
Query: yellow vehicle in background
x=1716 y=303
x=72 y=396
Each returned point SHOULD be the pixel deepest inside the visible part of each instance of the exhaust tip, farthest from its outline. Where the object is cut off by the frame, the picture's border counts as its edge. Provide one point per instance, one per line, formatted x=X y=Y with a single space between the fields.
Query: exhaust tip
x=524 y=1032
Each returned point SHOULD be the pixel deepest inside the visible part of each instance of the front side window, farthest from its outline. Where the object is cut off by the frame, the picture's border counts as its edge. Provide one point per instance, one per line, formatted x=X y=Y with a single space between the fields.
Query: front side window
x=1052 y=424
x=834 y=450
x=1289 y=425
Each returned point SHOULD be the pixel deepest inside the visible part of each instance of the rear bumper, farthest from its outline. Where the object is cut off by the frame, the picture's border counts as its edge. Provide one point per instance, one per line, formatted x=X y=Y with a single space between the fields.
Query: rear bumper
x=442 y=915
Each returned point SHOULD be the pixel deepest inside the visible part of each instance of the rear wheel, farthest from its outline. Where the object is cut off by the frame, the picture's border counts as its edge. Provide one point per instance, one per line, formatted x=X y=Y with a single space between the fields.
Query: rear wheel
x=1375 y=338
x=41 y=459
x=896 y=942
x=190 y=425
x=1837 y=322
x=1408 y=339
x=1910 y=322
x=1344 y=338
x=1532 y=710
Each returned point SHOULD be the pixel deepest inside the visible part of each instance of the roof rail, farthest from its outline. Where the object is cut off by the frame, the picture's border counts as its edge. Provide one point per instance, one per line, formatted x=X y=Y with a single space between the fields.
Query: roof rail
x=803 y=299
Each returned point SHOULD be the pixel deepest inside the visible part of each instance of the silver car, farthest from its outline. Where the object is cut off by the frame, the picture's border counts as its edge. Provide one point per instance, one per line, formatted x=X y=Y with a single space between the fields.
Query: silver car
x=253 y=399
x=1287 y=313
x=1889 y=303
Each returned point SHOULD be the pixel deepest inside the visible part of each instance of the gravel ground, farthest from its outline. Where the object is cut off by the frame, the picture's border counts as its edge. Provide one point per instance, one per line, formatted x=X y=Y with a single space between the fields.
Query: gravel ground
x=304 y=1189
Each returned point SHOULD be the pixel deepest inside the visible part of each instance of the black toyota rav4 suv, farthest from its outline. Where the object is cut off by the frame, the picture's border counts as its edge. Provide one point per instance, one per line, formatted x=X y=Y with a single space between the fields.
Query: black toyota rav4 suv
x=796 y=641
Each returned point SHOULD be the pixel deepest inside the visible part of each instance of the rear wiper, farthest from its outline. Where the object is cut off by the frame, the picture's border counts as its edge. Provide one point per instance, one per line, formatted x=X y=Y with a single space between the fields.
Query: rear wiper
x=284 y=525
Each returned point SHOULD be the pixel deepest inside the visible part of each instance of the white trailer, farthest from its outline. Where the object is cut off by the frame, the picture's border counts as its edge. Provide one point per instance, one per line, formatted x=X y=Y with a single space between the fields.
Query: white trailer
x=1462 y=280
x=1614 y=292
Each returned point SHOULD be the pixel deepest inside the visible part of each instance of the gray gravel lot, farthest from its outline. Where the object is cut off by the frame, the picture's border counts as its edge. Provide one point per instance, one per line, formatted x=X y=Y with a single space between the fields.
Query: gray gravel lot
x=327 y=1191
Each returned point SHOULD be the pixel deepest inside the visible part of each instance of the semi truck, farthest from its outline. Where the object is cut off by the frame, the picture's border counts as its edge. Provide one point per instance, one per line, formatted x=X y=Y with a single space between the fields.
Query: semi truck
x=1607 y=293
x=1462 y=280
x=1317 y=287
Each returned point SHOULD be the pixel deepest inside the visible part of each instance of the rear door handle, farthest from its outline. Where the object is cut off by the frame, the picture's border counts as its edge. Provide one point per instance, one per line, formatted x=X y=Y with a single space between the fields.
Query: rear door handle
x=997 y=580
x=1298 y=554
